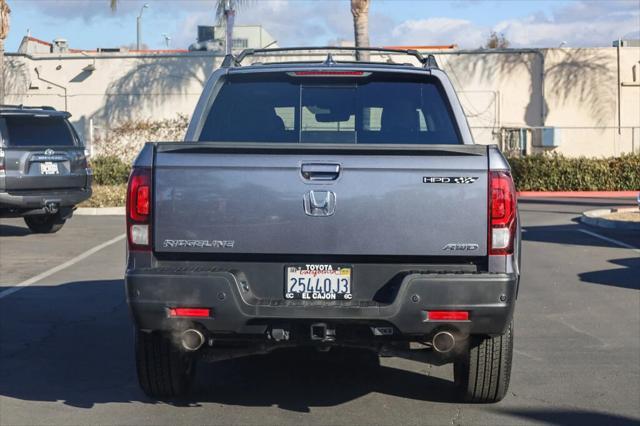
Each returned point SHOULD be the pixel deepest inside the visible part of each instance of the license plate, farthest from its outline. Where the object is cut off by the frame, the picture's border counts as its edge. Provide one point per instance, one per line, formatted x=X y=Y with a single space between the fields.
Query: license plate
x=318 y=282
x=49 y=168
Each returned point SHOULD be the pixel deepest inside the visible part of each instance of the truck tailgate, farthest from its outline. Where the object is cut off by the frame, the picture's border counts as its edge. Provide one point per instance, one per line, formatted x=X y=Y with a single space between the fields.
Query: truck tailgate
x=271 y=199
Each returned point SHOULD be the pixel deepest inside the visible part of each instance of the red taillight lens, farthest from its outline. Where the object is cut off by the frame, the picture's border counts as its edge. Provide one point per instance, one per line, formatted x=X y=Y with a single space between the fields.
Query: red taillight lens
x=448 y=315
x=502 y=213
x=190 y=312
x=138 y=194
x=142 y=201
x=139 y=208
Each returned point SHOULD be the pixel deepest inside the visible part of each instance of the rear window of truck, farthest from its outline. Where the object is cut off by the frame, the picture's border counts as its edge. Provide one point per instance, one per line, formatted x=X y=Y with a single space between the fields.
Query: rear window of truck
x=25 y=130
x=384 y=109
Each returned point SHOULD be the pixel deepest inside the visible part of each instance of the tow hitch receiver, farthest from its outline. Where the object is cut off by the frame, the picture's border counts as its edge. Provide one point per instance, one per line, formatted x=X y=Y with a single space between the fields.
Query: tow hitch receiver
x=319 y=331
x=51 y=207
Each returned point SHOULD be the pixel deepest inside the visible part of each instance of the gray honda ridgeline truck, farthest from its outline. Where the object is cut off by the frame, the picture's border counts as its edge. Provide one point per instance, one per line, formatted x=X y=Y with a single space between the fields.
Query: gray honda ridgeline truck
x=43 y=167
x=322 y=204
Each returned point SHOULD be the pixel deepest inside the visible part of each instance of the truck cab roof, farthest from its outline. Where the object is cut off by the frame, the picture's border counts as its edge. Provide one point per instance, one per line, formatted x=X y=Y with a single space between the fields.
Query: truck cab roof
x=322 y=66
x=32 y=110
x=427 y=62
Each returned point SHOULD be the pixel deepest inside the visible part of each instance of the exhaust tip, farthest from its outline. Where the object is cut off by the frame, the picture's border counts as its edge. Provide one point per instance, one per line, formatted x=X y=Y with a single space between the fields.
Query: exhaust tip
x=192 y=339
x=443 y=342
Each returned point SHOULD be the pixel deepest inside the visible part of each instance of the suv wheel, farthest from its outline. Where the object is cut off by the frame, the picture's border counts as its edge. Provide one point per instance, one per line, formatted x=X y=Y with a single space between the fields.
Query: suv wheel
x=164 y=370
x=482 y=374
x=44 y=223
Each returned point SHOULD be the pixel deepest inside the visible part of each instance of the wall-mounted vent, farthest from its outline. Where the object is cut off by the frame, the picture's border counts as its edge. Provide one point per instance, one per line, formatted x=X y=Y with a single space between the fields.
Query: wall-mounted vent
x=60 y=45
x=550 y=137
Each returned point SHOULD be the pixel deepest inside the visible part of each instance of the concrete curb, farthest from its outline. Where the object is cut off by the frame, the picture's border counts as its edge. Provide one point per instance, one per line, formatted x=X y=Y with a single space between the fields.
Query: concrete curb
x=594 y=218
x=578 y=194
x=99 y=211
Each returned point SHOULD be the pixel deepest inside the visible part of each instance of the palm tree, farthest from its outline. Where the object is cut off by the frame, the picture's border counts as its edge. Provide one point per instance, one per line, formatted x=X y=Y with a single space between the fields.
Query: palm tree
x=360 y=12
x=4 y=32
x=226 y=13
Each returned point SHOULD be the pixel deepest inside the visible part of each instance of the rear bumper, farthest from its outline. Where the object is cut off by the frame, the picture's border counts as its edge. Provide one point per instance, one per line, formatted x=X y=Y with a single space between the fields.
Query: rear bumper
x=489 y=298
x=29 y=200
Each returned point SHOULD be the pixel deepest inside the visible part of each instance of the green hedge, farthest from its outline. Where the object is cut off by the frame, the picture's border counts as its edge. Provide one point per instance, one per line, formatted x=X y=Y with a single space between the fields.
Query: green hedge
x=557 y=173
x=110 y=170
x=531 y=173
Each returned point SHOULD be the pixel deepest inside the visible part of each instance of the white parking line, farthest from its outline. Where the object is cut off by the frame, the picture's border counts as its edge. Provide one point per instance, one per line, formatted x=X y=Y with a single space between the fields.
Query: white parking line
x=611 y=240
x=60 y=267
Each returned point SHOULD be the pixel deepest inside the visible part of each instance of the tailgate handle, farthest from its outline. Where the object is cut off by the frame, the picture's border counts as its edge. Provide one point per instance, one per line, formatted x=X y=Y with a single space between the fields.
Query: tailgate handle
x=320 y=171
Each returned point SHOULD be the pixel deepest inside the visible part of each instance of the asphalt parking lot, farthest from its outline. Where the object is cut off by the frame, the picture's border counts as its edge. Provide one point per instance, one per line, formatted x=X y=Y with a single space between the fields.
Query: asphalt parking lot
x=66 y=342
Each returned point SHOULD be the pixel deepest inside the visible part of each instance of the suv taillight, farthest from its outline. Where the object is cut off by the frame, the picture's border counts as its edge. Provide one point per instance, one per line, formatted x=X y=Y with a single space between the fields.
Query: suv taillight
x=139 y=209
x=502 y=213
x=1 y=160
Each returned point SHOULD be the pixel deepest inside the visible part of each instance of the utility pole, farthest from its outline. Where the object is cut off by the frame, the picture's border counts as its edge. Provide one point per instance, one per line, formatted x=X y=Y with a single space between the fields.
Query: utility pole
x=139 y=26
x=166 y=38
x=229 y=18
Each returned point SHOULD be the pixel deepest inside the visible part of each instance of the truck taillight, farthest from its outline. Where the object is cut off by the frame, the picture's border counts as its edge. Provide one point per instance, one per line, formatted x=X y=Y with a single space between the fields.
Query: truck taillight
x=332 y=73
x=139 y=209
x=502 y=213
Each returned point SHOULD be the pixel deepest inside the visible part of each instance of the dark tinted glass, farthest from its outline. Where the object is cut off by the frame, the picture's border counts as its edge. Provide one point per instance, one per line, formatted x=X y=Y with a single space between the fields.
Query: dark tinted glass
x=375 y=109
x=38 y=131
x=254 y=111
x=328 y=114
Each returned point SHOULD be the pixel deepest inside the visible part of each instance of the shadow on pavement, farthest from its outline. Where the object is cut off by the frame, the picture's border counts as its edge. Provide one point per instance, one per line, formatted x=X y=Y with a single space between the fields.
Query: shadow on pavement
x=626 y=277
x=298 y=379
x=13 y=231
x=568 y=234
x=74 y=343
x=570 y=417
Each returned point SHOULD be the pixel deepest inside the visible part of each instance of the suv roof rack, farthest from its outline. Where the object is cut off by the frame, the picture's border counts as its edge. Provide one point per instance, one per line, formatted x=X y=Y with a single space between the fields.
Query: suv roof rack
x=45 y=108
x=235 y=61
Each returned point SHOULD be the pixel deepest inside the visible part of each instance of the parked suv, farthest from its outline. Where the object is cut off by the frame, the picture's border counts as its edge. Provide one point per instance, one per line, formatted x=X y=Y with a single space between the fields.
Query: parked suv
x=43 y=167
x=322 y=204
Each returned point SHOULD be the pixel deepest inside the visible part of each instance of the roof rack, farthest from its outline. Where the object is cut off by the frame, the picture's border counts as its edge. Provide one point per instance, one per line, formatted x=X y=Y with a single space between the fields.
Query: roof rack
x=45 y=108
x=235 y=61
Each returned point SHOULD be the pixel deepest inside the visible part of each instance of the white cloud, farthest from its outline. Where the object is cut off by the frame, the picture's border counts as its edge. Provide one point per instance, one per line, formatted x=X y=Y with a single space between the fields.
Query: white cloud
x=296 y=22
x=92 y=9
x=434 y=31
x=581 y=24
x=289 y=22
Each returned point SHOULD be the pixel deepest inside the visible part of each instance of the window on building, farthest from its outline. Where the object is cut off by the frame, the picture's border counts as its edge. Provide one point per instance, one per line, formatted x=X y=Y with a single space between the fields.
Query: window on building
x=240 y=43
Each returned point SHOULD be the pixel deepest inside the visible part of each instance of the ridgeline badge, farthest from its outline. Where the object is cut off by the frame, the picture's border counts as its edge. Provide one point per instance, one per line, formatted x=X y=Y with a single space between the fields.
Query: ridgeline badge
x=199 y=243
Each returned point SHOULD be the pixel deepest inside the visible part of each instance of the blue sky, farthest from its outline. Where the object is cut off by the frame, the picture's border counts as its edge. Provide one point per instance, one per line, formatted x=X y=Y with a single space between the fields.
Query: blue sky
x=88 y=24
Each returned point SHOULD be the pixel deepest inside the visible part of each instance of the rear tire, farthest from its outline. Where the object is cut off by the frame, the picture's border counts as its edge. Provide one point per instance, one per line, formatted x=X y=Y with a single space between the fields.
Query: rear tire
x=44 y=223
x=482 y=374
x=164 y=370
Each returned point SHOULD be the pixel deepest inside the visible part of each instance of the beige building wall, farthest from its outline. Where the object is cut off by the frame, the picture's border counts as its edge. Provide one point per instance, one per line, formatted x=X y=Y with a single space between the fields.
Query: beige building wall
x=508 y=96
x=110 y=89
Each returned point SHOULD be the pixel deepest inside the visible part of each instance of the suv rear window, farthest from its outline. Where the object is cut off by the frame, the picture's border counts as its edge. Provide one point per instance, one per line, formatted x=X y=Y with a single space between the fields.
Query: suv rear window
x=380 y=108
x=24 y=130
